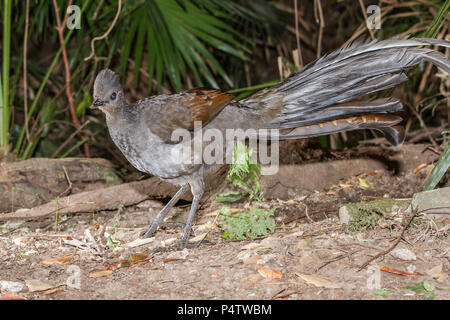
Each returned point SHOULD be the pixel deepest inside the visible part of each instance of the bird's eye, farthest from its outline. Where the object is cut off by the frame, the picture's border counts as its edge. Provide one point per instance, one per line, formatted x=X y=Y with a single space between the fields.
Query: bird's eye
x=113 y=96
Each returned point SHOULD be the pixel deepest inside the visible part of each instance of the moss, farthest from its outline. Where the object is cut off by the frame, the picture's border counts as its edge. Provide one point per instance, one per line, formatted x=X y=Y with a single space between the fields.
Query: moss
x=111 y=177
x=368 y=215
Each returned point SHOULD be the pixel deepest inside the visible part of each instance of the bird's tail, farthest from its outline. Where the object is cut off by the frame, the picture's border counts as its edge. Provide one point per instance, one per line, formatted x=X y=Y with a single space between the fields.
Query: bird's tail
x=322 y=97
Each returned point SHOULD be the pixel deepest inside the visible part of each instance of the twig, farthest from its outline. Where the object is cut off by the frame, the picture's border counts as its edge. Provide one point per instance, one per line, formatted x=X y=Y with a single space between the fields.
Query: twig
x=337 y=259
x=94 y=16
x=318 y=11
x=297 y=36
x=415 y=213
x=105 y=34
x=69 y=139
x=60 y=28
x=69 y=188
x=424 y=126
x=363 y=8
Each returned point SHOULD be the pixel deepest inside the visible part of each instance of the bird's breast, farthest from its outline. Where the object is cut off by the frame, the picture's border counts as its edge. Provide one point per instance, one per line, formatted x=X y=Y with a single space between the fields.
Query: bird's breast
x=148 y=153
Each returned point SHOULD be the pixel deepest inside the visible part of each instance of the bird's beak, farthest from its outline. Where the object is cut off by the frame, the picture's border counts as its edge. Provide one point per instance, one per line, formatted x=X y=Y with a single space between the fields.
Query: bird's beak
x=97 y=103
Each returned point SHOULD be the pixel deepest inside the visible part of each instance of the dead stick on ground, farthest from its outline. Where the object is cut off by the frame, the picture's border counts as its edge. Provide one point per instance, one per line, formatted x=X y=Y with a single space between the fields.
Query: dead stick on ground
x=97 y=200
x=415 y=213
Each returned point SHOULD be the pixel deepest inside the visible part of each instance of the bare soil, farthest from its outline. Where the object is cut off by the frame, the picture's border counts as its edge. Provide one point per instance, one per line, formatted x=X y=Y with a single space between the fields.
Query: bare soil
x=310 y=255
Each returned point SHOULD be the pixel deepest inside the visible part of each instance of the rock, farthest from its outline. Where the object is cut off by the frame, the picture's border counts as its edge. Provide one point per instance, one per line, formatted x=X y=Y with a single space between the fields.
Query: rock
x=29 y=183
x=10 y=286
x=403 y=254
x=314 y=176
x=344 y=215
x=433 y=199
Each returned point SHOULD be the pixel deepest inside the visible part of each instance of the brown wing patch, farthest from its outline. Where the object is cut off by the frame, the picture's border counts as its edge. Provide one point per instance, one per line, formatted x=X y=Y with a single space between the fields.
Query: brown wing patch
x=206 y=104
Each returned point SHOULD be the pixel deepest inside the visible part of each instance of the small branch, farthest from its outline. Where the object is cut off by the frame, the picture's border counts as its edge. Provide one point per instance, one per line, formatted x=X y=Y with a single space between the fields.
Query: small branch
x=69 y=188
x=319 y=18
x=415 y=213
x=77 y=131
x=363 y=8
x=105 y=34
x=297 y=36
x=60 y=28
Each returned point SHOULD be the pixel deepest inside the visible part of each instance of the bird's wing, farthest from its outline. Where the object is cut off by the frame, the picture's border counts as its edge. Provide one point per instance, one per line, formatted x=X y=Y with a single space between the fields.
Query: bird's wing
x=181 y=111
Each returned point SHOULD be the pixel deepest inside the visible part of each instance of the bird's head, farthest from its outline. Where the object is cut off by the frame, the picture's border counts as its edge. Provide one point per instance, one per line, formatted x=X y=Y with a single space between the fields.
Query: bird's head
x=108 y=93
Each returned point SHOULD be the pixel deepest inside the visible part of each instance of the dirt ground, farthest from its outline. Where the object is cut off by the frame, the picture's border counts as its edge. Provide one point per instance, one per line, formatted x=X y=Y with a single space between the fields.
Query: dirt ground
x=311 y=254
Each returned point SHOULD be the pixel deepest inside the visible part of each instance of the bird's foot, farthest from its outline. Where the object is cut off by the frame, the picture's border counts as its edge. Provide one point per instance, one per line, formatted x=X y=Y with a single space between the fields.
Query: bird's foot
x=151 y=229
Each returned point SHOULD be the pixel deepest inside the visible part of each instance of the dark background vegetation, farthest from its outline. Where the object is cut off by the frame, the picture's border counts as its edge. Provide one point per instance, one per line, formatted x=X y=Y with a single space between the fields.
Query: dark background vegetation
x=163 y=46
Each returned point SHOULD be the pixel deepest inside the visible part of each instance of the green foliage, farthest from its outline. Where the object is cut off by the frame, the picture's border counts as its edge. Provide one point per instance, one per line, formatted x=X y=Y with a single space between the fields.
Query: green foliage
x=381 y=292
x=245 y=172
x=175 y=35
x=4 y=83
x=368 y=215
x=232 y=196
x=254 y=223
x=441 y=167
x=172 y=43
x=423 y=286
x=438 y=21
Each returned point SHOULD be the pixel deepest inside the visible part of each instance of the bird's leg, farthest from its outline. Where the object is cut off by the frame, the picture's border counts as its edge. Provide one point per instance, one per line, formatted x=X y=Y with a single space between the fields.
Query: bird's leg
x=157 y=220
x=197 y=189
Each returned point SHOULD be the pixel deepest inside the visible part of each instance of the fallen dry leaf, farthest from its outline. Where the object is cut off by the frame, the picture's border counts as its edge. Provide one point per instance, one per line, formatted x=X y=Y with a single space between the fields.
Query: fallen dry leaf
x=53 y=291
x=177 y=255
x=373 y=173
x=99 y=274
x=139 y=257
x=270 y=274
x=138 y=242
x=37 y=285
x=319 y=282
x=253 y=260
x=56 y=260
x=9 y=296
x=168 y=242
x=254 y=277
x=198 y=238
x=437 y=273
x=420 y=167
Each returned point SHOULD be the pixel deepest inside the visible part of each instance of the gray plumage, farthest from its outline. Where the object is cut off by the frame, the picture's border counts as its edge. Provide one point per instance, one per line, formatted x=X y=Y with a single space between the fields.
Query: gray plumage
x=319 y=99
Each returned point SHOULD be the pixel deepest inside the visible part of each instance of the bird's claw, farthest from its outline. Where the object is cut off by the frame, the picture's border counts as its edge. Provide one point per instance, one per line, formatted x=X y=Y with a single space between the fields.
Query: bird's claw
x=151 y=229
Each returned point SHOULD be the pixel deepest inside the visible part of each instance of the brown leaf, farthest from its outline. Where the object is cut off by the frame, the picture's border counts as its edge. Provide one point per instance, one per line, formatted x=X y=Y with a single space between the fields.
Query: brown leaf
x=319 y=282
x=420 y=167
x=99 y=274
x=37 y=285
x=56 y=260
x=270 y=274
x=139 y=257
x=53 y=291
x=9 y=296
x=177 y=255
